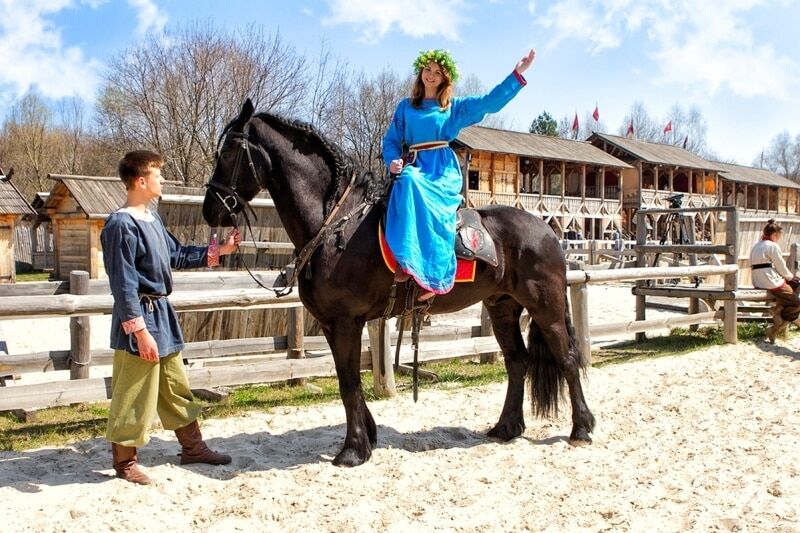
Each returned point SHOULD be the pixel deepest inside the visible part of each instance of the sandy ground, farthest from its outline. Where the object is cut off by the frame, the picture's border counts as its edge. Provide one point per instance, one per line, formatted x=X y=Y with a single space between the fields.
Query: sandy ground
x=700 y=442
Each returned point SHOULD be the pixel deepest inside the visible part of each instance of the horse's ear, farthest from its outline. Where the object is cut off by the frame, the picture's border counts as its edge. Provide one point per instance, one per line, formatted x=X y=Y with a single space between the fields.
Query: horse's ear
x=247 y=110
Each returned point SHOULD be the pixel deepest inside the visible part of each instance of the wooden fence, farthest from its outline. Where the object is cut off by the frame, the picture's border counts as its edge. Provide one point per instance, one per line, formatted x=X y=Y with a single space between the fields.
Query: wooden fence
x=279 y=358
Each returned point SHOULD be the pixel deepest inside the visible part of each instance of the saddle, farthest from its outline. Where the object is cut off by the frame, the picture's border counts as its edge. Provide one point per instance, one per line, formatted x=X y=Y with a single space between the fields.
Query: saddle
x=472 y=239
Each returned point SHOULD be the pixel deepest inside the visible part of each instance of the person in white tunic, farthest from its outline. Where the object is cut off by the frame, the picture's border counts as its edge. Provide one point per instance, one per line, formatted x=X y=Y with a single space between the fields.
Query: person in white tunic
x=769 y=271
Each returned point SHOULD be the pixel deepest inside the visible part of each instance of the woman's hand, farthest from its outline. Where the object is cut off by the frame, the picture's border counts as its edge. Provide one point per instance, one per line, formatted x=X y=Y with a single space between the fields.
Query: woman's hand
x=231 y=243
x=525 y=62
x=396 y=167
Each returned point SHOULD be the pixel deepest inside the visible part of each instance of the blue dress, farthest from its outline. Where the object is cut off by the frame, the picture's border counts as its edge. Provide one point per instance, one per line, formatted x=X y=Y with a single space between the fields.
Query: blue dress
x=421 y=217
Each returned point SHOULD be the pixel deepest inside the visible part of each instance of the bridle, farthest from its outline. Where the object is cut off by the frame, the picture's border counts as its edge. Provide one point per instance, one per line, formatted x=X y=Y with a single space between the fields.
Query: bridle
x=232 y=199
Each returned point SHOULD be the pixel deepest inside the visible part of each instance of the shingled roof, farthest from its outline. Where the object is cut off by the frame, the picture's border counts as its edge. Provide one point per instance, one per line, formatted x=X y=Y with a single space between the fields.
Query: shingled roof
x=659 y=153
x=12 y=202
x=97 y=196
x=759 y=176
x=538 y=146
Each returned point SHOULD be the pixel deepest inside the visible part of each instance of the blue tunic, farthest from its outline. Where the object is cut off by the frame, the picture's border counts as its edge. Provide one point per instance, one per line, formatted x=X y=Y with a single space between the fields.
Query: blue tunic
x=421 y=218
x=139 y=254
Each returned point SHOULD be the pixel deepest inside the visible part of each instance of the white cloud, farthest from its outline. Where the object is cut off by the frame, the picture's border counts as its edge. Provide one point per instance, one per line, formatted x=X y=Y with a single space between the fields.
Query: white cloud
x=148 y=16
x=704 y=44
x=415 y=18
x=32 y=53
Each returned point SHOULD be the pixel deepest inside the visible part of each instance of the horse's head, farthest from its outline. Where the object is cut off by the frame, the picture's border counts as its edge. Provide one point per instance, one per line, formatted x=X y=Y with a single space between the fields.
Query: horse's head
x=239 y=172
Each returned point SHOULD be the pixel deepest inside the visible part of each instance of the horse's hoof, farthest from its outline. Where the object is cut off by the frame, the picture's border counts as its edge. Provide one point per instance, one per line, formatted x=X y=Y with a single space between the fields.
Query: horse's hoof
x=506 y=431
x=580 y=438
x=350 y=457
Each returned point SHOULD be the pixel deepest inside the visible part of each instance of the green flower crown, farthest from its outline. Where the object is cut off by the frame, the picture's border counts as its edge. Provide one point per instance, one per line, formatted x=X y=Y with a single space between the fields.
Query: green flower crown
x=442 y=57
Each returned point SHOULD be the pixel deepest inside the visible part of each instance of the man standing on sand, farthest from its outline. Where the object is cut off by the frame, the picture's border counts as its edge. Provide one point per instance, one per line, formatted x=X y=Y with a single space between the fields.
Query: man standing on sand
x=148 y=376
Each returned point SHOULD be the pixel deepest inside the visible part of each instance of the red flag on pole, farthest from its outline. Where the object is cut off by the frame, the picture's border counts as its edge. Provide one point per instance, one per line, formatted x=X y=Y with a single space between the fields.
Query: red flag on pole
x=685 y=141
x=630 y=129
x=596 y=114
x=575 y=126
x=668 y=127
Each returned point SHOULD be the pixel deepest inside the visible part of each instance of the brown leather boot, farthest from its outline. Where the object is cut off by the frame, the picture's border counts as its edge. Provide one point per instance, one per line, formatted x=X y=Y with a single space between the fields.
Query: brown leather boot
x=125 y=464
x=778 y=326
x=194 y=450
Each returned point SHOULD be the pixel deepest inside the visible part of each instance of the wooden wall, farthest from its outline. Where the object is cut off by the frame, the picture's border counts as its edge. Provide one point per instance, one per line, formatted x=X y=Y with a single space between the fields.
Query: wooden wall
x=73 y=247
x=505 y=168
x=7 y=272
x=184 y=218
x=750 y=230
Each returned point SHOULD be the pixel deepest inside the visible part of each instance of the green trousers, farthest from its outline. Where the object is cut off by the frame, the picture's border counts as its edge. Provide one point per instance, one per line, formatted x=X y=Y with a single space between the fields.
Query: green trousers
x=140 y=390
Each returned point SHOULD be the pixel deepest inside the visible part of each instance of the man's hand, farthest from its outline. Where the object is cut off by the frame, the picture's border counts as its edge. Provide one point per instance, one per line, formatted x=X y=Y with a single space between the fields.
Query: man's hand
x=148 y=350
x=231 y=242
x=396 y=167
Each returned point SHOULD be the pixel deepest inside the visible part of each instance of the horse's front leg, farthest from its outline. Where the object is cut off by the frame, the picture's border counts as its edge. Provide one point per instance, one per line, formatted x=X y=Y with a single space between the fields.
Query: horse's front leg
x=344 y=337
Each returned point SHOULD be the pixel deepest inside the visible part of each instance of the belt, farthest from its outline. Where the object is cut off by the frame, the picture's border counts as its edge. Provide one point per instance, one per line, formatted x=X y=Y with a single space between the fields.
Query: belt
x=761 y=265
x=148 y=299
x=421 y=147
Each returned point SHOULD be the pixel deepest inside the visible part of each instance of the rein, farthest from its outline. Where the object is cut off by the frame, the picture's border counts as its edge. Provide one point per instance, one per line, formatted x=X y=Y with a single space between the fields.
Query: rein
x=330 y=224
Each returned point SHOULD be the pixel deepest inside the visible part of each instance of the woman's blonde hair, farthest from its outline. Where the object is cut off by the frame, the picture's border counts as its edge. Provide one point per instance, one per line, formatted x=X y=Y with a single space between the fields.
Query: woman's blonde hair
x=443 y=95
x=771 y=228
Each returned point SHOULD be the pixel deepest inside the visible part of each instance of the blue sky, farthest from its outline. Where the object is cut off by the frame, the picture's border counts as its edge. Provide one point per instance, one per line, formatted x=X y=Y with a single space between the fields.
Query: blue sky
x=738 y=60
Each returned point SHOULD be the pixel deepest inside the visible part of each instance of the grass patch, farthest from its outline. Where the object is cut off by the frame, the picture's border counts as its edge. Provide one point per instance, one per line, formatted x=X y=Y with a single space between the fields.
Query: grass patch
x=33 y=276
x=64 y=425
x=679 y=341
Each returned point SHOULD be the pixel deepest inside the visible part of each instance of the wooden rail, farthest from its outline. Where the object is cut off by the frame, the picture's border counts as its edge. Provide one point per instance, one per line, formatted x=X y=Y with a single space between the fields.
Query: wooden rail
x=453 y=343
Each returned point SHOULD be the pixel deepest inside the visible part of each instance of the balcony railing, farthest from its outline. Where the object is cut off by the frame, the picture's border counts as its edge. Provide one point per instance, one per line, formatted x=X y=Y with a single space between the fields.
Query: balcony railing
x=550 y=202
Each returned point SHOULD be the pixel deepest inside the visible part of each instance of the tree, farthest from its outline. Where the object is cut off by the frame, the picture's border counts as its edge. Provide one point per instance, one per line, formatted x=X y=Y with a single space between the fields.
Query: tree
x=176 y=94
x=29 y=144
x=687 y=125
x=366 y=110
x=472 y=85
x=783 y=156
x=544 y=124
x=644 y=127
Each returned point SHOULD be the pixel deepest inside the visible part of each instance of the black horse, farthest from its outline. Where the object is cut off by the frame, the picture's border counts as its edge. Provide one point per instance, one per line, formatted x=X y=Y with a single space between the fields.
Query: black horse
x=344 y=282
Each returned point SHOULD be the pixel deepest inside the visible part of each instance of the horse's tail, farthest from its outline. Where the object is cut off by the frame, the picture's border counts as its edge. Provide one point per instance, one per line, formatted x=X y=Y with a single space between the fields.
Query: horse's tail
x=545 y=373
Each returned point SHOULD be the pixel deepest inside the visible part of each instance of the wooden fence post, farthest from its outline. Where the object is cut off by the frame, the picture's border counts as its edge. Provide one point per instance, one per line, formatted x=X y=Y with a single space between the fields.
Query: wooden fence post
x=731 y=334
x=792 y=263
x=79 y=330
x=641 y=238
x=689 y=228
x=295 y=339
x=579 y=298
x=382 y=382
x=487 y=331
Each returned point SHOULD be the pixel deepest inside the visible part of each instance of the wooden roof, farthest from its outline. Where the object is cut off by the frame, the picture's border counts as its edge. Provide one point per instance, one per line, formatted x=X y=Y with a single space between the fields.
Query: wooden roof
x=759 y=176
x=658 y=153
x=536 y=146
x=12 y=202
x=97 y=196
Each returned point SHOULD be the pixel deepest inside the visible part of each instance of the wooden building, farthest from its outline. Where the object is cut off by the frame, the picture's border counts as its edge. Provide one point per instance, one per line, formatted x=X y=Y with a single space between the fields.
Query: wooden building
x=759 y=195
x=77 y=207
x=41 y=235
x=571 y=184
x=12 y=208
x=660 y=171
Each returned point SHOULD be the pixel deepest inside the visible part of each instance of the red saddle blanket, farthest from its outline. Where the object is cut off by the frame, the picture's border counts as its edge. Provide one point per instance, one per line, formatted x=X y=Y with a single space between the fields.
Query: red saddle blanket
x=465 y=269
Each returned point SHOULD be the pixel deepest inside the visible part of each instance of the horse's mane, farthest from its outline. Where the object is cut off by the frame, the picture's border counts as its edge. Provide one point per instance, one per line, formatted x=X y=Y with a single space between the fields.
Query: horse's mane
x=341 y=165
